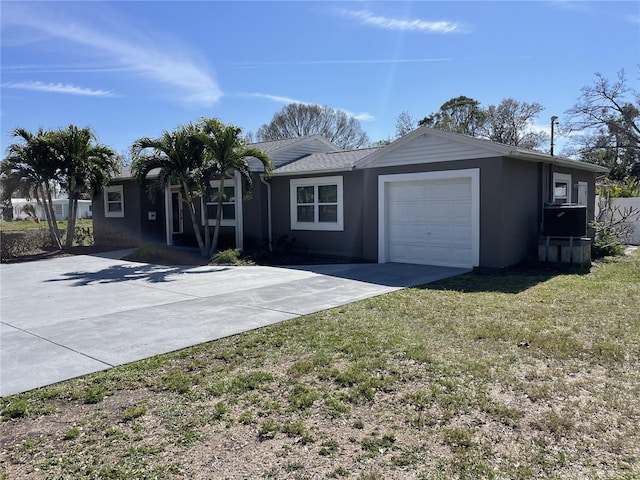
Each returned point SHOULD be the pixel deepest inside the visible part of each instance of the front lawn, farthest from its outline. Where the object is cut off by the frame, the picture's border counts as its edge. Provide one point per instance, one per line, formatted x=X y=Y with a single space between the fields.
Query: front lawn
x=517 y=376
x=22 y=225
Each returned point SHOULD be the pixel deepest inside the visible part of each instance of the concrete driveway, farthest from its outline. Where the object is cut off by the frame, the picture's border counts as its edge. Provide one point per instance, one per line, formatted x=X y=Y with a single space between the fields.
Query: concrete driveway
x=66 y=317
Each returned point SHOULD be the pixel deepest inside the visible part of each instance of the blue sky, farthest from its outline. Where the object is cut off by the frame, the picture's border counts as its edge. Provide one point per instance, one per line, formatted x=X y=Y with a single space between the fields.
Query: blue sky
x=132 y=69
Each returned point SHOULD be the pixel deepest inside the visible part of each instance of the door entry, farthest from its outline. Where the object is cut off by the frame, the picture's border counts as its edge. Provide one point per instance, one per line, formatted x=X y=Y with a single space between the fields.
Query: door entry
x=177 y=224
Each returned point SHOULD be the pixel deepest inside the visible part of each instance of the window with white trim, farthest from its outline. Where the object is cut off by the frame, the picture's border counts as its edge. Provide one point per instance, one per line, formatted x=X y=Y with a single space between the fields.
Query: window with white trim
x=316 y=204
x=114 y=201
x=561 y=188
x=228 y=202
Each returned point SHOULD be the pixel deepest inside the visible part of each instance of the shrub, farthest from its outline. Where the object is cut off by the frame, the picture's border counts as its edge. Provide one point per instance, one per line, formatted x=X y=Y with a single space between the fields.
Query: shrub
x=232 y=256
x=83 y=236
x=15 y=244
x=606 y=242
x=611 y=227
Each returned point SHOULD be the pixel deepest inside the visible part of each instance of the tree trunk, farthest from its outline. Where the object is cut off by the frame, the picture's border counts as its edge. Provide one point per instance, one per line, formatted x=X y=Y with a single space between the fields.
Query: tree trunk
x=194 y=220
x=50 y=213
x=207 y=233
x=216 y=231
x=71 y=219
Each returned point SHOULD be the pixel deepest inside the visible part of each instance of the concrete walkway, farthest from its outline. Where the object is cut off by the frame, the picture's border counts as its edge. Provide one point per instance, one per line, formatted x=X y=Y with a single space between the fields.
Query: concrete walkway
x=66 y=317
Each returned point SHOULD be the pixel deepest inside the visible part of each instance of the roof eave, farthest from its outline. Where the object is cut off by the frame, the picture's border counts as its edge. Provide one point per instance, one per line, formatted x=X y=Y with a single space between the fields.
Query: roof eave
x=565 y=162
x=312 y=172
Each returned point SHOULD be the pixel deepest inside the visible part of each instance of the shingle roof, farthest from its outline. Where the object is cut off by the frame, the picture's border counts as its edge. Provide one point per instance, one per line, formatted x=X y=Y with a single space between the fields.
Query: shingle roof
x=277 y=144
x=341 y=160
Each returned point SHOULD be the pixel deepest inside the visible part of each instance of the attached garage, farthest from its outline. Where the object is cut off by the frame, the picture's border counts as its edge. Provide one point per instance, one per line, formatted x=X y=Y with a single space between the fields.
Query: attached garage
x=430 y=218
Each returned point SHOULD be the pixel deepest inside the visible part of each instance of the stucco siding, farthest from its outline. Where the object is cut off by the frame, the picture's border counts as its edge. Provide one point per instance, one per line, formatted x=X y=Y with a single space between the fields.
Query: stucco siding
x=519 y=211
x=119 y=232
x=490 y=200
x=152 y=218
x=347 y=243
x=255 y=217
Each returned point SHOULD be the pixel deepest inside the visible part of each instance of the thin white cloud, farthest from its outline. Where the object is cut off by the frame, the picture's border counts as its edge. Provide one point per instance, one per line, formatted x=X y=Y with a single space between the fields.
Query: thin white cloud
x=61 y=69
x=416 y=25
x=339 y=62
x=279 y=99
x=58 y=88
x=151 y=59
x=362 y=116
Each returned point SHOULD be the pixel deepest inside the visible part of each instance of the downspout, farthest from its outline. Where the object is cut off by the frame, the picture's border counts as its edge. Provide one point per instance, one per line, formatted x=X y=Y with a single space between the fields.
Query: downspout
x=168 y=215
x=550 y=192
x=541 y=197
x=268 y=210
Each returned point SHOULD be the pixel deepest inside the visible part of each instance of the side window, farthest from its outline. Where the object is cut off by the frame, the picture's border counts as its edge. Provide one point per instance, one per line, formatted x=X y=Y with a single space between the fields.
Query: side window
x=57 y=209
x=561 y=188
x=114 y=201
x=583 y=192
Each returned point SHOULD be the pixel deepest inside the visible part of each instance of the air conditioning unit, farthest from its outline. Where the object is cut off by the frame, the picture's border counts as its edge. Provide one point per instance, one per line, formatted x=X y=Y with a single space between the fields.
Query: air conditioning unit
x=565 y=220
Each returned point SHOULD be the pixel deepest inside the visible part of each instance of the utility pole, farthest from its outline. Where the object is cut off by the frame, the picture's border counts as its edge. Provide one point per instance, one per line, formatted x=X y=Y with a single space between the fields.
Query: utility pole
x=554 y=122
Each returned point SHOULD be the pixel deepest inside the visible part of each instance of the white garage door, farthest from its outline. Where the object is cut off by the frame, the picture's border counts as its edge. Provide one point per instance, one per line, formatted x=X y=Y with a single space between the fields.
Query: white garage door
x=431 y=222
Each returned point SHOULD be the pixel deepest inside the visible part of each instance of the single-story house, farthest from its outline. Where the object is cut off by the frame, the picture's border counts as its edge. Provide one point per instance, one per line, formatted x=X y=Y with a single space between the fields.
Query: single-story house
x=430 y=197
x=60 y=208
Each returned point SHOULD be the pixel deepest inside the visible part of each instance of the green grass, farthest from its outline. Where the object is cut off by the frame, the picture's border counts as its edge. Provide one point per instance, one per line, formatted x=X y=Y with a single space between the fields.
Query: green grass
x=531 y=374
x=22 y=225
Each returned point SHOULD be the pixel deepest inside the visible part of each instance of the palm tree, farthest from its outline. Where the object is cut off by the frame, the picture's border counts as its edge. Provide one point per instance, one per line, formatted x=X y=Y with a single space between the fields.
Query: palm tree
x=30 y=168
x=84 y=164
x=225 y=152
x=178 y=157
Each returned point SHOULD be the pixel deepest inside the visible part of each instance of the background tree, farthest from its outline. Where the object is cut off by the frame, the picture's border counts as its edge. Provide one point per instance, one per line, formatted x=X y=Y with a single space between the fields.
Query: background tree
x=607 y=117
x=297 y=120
x=458 y=115
x=226 y=152
x=178 y=156
x=6 y=206
x=84 y=165
x=31 y=169
x=511 y=123
x=404 y=124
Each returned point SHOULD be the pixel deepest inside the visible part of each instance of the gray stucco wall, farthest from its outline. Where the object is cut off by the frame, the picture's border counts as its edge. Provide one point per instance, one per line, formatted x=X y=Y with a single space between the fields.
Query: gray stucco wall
x=347 y=243
x=255 y=217
x=518 y=209
x=490 y=199
x=119 y=232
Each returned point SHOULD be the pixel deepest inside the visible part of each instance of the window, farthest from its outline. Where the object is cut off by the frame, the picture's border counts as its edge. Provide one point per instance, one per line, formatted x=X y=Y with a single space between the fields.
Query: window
x=582 y=192
x=113 y=201
x=57 y=209
x=561 y=188
x=228 y=203
x=316 y=204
